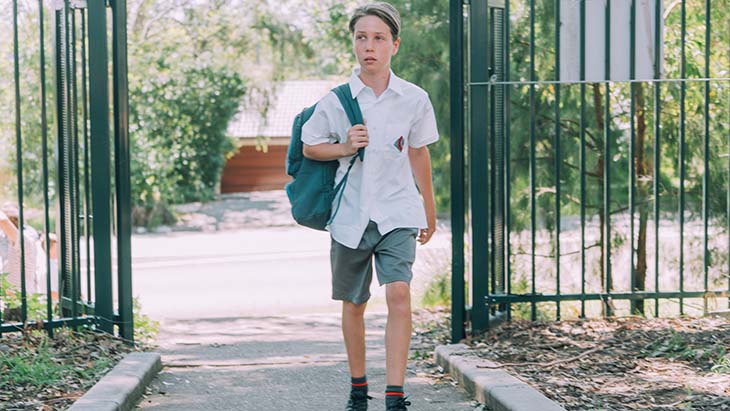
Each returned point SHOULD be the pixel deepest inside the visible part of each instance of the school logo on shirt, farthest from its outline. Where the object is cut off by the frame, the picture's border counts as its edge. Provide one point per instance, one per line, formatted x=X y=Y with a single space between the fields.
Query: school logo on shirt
x=399 y=143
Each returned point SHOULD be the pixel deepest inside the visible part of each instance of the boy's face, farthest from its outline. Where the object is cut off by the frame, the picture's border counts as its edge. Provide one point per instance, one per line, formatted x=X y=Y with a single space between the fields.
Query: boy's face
x=373 y=44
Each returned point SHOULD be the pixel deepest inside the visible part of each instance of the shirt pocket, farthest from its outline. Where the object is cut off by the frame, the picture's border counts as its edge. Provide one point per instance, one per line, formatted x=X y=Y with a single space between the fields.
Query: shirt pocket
x=396 y=139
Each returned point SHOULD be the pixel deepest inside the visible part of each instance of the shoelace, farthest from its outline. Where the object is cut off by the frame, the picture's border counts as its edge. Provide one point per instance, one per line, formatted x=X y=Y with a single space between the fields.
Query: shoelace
x=358 y=403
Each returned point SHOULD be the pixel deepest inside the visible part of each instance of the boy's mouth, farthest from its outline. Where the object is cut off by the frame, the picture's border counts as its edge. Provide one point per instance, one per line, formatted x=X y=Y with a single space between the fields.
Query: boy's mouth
x=370 y=59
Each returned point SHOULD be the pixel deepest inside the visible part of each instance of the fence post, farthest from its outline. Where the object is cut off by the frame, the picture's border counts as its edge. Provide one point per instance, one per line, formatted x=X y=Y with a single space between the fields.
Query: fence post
x=478 y=164
x=458 y=303
x=123 y=182
x=100 y=162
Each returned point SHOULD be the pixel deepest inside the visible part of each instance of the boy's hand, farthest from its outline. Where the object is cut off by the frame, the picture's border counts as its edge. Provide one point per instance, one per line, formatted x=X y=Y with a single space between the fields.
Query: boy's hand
x=425 y=234
x=357 y=137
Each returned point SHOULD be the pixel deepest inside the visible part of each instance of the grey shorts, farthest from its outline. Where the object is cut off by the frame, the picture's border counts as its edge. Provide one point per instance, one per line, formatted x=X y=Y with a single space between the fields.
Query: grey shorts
x=352 y=269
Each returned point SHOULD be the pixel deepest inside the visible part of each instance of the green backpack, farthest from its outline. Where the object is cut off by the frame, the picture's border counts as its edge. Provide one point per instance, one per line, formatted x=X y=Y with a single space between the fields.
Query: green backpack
x=312 y=189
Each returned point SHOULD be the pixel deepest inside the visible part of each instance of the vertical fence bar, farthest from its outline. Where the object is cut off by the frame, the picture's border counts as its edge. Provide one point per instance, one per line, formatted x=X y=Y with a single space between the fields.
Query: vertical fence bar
x=44 y=148
x=657 y=144
x=19 y=162
x=533 y=171
x=706 y=151
x=682 y=149
x=497 y=140
x=100 y=162
x=87 y=166
x=73 y=156
x=607 y=162
x=632 y=153
x=479 y=110
x=492 y=68
x=507 y=155
x=123 y=182
x=61 y=143
x=582 y=157
x=558 y=158
x=456 y=62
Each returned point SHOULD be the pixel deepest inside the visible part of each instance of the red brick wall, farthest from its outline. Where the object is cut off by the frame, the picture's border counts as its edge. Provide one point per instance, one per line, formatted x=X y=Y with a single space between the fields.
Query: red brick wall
x=251 y=170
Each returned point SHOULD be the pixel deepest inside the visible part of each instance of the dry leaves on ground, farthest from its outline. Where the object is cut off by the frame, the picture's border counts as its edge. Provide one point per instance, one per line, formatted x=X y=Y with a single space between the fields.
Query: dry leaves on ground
x=617 y=364
x=41 y=373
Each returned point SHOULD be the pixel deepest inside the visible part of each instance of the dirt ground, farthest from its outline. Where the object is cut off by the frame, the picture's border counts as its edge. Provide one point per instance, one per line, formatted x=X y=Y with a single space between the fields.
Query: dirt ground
x=41 y=373
x=617 y=364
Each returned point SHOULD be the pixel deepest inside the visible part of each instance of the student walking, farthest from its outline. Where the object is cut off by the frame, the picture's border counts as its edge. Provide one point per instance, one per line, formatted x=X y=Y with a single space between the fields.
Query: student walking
x=387 y=204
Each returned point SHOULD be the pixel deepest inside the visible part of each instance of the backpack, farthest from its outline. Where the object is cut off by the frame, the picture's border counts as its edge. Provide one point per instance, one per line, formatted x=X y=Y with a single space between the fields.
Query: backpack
x=312 y=189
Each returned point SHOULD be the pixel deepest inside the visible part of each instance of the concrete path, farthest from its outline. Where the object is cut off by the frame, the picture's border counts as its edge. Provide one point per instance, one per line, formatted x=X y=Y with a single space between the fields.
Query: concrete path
x=267 y=363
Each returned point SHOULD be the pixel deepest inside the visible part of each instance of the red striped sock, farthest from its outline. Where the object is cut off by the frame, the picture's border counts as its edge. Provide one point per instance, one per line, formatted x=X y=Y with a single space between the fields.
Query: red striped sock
x=360 y=384
x=394 y=391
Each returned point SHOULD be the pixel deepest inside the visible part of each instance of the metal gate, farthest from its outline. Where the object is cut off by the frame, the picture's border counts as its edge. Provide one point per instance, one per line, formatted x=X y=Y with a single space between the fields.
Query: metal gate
x=89 y=201
x=590 y=166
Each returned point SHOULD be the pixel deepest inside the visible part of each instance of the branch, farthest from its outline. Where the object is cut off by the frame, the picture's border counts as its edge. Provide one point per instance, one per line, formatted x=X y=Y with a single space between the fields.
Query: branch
x=548 y=364
x=561 y=255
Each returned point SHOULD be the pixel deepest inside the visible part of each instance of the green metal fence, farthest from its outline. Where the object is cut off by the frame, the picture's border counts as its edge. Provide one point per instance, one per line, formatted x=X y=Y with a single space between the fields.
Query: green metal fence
x=77 y=182
x=590 y=166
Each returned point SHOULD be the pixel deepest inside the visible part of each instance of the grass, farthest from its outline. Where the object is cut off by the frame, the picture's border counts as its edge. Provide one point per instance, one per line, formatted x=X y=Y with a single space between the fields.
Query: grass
x=32 y=367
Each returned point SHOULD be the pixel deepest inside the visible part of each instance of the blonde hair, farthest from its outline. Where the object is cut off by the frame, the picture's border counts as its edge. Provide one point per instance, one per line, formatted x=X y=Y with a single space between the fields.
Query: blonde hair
x=384 y=11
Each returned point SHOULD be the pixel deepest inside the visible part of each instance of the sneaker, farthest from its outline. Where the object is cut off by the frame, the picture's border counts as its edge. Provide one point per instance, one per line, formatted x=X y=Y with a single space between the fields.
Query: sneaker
x=358 y=402
x=400 y=405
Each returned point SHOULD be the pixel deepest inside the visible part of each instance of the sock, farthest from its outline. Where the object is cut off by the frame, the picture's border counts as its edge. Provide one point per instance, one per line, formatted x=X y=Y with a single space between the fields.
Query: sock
x=360 y=385
x=393 y=393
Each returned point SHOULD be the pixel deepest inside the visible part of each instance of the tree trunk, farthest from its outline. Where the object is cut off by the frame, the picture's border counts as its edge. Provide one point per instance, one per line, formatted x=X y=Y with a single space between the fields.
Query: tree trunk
x=642 y=194
x=600 y=124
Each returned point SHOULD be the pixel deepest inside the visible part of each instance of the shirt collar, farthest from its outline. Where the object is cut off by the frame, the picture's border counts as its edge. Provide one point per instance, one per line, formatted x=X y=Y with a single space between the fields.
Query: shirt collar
x=356 y=85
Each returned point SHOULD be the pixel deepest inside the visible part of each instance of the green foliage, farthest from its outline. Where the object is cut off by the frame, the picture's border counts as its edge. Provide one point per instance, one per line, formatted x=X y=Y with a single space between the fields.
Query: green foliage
x=31 y=130
x=523 y=311
x=722 y=364
x=37 y=368
x=677 y=346
x=177 y=124
x=438 y=291
x=12 y=303
x=145 y=328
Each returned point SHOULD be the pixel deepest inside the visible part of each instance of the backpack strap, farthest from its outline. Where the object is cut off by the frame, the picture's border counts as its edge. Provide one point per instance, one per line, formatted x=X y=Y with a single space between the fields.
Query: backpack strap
x=352 y=109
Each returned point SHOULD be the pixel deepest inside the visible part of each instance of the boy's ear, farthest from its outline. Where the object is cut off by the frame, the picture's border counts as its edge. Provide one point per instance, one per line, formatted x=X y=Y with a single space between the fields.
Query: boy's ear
x=396 y=44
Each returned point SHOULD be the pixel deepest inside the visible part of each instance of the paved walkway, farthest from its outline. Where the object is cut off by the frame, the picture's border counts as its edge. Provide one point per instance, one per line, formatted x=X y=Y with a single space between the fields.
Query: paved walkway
x=247 y=323
x=295 y=362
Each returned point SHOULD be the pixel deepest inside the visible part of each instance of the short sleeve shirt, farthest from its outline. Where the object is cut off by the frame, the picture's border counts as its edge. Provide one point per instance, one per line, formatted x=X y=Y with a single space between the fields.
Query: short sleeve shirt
x=380 y=188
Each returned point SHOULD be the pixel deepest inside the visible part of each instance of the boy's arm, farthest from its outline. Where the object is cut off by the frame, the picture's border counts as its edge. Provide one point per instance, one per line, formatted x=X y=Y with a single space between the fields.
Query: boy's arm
x=421 y=165
x=324 y=151
x=357 y=137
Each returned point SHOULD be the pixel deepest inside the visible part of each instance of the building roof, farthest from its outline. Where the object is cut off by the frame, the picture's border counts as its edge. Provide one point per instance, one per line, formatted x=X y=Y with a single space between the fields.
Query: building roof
x=289 y=99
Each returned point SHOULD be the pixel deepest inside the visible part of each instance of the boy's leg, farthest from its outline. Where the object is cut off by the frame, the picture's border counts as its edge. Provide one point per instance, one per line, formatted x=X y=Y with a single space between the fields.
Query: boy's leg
x=397 y=331
x=353 y=331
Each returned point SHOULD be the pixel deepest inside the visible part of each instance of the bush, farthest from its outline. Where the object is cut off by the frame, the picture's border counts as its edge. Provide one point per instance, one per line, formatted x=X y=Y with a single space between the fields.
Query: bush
x=178 y=121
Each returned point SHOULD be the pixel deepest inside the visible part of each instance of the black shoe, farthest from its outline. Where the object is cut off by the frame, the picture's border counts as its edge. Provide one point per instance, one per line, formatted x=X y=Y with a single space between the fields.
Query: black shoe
x=400 y=405
x=358 y=402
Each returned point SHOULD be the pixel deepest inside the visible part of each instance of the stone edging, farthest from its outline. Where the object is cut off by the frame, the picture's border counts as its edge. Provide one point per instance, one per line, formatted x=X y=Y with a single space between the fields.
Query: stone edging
x=120 y=389
x=494 y=387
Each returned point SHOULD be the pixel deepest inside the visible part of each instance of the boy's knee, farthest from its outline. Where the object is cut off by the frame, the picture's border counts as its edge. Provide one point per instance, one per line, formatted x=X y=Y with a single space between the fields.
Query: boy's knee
x=352 y=309
x=398 y=295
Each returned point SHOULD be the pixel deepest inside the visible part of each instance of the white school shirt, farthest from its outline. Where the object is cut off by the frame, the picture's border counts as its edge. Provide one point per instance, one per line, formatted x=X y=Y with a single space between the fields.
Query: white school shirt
x=380 y=188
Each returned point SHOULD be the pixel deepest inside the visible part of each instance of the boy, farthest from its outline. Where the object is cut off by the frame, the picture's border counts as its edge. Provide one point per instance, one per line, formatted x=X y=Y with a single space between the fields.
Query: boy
x=381 y=214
